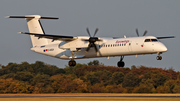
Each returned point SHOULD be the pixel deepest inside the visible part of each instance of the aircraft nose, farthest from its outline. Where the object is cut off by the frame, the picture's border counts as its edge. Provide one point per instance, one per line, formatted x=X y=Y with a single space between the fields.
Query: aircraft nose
x=163 y=48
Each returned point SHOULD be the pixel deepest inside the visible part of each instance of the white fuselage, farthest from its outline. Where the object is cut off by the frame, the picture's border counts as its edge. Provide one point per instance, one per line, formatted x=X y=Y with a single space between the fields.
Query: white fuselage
x=107 y=48
x=71 y=47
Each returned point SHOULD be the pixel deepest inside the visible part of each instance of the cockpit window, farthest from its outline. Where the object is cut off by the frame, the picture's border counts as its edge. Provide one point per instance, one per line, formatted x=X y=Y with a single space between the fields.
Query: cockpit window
x=154 y=40
x=150 y=40
x=147 y=40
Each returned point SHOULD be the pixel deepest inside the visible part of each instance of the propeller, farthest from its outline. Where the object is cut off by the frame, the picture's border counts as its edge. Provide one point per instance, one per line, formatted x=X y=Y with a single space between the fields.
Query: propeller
x=92 y=40
x=143 y=34
x=137 y=32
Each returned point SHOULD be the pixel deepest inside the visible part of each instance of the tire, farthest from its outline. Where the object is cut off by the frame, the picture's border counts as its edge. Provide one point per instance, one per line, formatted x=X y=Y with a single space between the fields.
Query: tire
x=120 y=64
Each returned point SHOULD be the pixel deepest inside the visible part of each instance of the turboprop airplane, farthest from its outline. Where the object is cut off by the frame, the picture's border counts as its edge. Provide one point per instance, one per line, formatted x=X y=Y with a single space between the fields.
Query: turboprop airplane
x=80 y=47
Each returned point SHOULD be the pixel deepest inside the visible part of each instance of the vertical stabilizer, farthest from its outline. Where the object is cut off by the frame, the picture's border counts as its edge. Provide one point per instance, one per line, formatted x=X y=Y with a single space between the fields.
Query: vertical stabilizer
x=34 y=26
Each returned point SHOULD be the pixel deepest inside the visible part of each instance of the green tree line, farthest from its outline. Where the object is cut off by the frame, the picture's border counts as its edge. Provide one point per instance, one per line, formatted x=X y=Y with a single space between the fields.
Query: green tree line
x=92 y=77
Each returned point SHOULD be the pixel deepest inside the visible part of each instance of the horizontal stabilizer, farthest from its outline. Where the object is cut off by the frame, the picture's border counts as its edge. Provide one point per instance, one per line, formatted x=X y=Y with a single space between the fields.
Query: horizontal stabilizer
x=31 y=17
x=53 y=37
x=165 y=37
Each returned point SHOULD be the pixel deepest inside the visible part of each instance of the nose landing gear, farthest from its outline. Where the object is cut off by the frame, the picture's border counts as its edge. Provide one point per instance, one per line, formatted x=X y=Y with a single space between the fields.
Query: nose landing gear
x=121 y=63
x=159 y=57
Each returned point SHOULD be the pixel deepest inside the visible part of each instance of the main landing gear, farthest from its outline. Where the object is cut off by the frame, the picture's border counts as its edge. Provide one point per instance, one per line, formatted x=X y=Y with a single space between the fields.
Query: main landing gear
x=121 y=63
x=159 y=57
x=72 y=62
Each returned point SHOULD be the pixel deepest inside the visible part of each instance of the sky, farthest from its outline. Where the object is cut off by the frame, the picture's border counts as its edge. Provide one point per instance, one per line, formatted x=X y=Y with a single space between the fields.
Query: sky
x=114 y=18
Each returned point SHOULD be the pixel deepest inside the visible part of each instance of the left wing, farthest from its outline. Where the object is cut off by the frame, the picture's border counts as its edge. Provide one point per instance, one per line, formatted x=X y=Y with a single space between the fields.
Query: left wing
x=53 y=37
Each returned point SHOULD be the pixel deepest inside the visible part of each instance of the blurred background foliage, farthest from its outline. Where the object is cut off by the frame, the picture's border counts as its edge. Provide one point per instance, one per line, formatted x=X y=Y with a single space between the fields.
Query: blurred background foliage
x=93 y=77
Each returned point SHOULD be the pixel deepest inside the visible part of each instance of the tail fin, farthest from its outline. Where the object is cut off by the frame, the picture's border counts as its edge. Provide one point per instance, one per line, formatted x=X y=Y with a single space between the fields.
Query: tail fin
x=34 y=26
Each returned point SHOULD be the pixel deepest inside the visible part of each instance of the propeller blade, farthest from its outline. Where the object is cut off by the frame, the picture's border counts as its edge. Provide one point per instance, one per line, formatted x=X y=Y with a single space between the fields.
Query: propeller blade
x=145 y=33
x=89 y=46
x=92 y=40
x=95 y=47
x=95 y=31
x=88 y=32
x=137 y=32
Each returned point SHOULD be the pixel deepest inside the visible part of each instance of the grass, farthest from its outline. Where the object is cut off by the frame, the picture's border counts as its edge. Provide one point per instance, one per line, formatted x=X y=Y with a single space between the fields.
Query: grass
x=90 y=94
x=88 y=99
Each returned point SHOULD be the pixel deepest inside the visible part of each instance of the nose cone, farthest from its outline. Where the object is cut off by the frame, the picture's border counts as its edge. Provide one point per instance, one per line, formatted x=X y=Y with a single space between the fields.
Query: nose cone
x=162 y=48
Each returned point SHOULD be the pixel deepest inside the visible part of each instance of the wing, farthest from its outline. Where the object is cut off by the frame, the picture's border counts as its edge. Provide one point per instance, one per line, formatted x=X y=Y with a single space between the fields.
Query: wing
x=165 y=37
x=53 y=37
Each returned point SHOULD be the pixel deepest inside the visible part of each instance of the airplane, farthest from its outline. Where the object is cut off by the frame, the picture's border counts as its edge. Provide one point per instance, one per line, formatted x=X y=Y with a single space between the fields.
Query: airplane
x=81 y=47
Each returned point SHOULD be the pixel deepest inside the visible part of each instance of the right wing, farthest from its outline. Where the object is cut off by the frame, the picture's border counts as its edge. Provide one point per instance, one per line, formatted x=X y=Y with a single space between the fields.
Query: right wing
x=165 y=37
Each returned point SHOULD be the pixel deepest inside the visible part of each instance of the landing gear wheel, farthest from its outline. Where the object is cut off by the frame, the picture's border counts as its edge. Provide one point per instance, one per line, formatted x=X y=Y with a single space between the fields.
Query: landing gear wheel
x=120 y=64
x=159 y=57
x=72 y=63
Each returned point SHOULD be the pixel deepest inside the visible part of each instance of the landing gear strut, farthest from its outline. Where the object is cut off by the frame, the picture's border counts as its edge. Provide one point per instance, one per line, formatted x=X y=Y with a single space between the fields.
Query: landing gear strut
x=72 y=62
x=121 y=63
x=159 y=57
